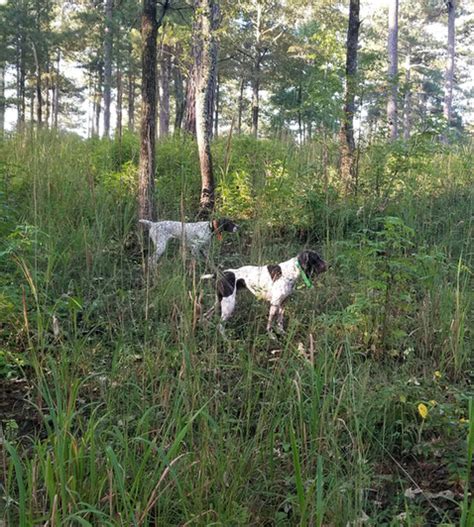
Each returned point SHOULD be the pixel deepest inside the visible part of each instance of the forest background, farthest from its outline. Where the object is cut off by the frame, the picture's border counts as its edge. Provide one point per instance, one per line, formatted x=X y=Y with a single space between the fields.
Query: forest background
x=340 y=126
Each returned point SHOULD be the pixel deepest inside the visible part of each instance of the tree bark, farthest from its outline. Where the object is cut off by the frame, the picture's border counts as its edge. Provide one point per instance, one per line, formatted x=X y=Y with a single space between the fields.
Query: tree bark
x=146 y=173
x=164 y=91
x=20 y=83
x=2 y=99
x=107 y=65
x=47 y=88
x=118 y=129
x=347 y=142
x=256 y=70
x=240 y=105
x=449 y=74
x=300 y=122
x=207 y=14
x=216 y=108
x=190 y=104
x=178 y=97
x=98 y=100
x=56 y=90
x=131 y=91
x=39 y=104
x=407 y=101
x=256 y=95
x=392 y=109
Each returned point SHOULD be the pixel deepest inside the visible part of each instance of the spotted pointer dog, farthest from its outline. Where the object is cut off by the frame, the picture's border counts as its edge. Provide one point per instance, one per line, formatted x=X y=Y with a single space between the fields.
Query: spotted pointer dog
x=273 y=283
x=198 y=234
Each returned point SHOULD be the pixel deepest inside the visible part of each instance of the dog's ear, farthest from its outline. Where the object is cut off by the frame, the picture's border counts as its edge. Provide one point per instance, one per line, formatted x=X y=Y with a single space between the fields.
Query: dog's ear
x=216 y=227
x=227 y=225
x=303 y=259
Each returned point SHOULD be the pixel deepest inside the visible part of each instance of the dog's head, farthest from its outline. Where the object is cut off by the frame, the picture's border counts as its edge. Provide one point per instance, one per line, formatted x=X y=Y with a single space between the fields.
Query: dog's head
x=223 y=225
x=312 y=263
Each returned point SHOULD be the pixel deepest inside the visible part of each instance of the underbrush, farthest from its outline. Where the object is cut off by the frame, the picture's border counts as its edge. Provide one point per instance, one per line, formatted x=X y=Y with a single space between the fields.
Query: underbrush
x=122 y=407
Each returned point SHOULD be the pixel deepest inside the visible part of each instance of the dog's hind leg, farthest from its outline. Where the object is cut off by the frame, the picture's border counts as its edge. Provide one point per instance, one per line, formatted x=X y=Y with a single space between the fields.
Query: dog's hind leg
x=228 y=304
x=160 y=247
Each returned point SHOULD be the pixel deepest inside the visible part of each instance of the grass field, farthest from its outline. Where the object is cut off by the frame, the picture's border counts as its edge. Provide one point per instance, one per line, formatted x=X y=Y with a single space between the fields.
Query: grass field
x=121 y=407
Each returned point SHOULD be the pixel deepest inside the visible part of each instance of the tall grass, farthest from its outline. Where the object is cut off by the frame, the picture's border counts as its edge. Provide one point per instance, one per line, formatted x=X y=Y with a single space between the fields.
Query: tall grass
x=147 y=417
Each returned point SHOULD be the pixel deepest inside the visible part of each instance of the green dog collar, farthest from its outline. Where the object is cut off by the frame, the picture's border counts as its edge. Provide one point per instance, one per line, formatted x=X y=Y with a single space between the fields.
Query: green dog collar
x=306 y=280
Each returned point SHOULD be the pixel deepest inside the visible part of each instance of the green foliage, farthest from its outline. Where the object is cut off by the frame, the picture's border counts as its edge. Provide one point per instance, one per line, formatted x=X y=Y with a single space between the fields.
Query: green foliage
x=129 y=411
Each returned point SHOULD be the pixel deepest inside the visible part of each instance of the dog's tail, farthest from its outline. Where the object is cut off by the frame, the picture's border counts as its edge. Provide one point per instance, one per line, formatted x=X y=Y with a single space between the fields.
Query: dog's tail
x=208 y=276
x=146 y=223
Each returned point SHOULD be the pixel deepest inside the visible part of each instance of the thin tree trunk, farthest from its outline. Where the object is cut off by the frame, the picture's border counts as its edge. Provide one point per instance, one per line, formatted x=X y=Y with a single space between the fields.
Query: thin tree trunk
x=178 y=97
x=300 y=122
x=47 y=88
x=56 y=89
x=190 y=105
x=407 y=101
x=392 y=110
x=39 y=105
x=107 y=65
x=91 y=112
x=131 y=91
x=98 y=100
x=39 y=96
x=32 y=106
x=256 y=71
x=164 y=91
x=240 y=105
x=207 y=13
x=255 y=96
x=20 y=92
x=216 y=111
x=118 y=129
x=449 y=74
x=2 y=99
x=146 y=174
x=346 y=134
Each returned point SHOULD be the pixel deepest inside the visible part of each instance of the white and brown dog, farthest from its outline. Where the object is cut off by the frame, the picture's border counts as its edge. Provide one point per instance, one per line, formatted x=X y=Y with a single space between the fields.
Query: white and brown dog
x=273 y=283
x=197 y=235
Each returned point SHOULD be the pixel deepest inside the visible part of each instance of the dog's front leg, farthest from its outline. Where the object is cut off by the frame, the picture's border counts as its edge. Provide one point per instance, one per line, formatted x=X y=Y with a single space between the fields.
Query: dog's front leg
x=280 y=327
x=273 y=312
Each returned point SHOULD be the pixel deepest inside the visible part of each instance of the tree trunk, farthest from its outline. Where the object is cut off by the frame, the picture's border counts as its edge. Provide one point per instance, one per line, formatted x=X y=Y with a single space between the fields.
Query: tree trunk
x=190 y=104
x=39 y=105
x=131 y=91
x=164 y=91
x=56 y=90
x=255 y=96
x=32 y=106
x=47 y=88
x=20 y=83
x=300 y=122
x=178 y=97
x=216 y=109
x=392 y=110
x=256 y=71
x=407 y=101
x=146 y=174
x=98 y=100
x=346 y=134
x=2 y=99
x=207 y=14
x=118 y=129
x=240 y=105
x=449 y=75
x=107 y=65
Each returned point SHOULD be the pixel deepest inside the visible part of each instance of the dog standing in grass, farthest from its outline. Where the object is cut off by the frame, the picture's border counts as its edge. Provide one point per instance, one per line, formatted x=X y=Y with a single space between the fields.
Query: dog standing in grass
x=197 y=235
x=273 y=283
